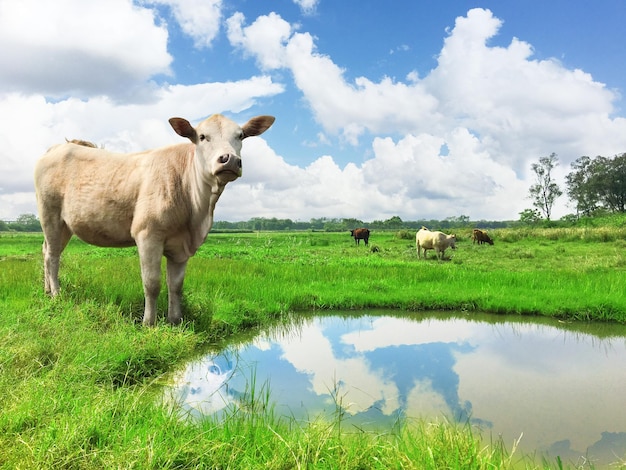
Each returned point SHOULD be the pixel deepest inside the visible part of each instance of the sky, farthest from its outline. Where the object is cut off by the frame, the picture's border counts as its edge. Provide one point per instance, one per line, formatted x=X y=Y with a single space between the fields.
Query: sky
x=420 y=109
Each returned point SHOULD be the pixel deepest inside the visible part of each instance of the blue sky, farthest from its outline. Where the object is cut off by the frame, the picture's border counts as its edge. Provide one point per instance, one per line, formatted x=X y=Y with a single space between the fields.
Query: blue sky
x=421 y=109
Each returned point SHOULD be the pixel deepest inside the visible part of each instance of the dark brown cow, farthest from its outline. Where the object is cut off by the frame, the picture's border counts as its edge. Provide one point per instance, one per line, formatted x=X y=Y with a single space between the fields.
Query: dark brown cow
x=360 y=234
x=481 y=237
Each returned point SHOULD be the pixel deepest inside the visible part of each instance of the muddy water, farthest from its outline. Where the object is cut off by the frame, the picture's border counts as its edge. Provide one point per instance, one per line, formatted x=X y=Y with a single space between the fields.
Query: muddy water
x=558 y=389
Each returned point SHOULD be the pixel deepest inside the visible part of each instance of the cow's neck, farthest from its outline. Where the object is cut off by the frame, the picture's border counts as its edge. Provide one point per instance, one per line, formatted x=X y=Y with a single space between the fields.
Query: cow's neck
x=205 y=193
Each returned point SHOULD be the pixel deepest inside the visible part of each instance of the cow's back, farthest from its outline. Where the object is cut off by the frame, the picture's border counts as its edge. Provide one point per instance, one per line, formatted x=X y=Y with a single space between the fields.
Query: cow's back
x=426 y=239
x=99 y=195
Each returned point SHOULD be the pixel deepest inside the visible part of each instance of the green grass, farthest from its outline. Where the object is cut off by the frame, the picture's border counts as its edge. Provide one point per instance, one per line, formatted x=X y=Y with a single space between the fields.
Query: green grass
x=81 y=379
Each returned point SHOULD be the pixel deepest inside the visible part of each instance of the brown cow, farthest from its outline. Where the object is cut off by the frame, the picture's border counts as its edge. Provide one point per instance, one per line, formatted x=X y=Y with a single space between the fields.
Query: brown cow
x=360 y=234
x=480 y=237
x=438 y=241
x=161 y=200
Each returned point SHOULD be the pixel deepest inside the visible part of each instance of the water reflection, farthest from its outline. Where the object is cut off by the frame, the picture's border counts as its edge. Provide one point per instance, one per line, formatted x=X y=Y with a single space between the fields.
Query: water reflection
x=562 y=390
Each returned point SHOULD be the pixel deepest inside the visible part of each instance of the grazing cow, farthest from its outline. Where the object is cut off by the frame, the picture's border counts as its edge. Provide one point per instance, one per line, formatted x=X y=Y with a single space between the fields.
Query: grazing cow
x=438 y=241
x=360 y=234
x=160 y=200
x=481 y=237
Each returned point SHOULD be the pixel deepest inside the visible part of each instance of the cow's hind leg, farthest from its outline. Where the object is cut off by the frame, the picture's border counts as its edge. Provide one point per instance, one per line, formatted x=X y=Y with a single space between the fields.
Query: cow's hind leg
x=55 y=241
x=150 y=254
x=175 y=278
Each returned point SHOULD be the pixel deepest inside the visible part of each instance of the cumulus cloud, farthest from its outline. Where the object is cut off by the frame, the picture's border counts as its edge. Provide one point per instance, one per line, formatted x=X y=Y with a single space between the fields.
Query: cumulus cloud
x=502 y=94
x=409 y=178
x=264 y=39
x=351 y=109
x=496 y=110
x=458 y=140
x=520 y=107
x=307 y=6
x=338 y=106
x=119 y=128
x=75 y=48
x=199 y=19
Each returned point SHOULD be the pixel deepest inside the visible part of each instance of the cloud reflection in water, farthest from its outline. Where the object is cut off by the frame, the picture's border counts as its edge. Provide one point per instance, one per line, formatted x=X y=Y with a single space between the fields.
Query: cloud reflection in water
x=564 y=391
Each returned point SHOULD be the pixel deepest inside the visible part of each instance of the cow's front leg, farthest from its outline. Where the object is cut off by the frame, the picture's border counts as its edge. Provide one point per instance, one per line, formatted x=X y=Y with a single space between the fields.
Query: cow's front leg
x=150 y=253
x=175 y=278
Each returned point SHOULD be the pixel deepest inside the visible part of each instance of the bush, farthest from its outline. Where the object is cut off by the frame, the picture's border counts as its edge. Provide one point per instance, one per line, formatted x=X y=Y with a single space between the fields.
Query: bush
x=405 y=235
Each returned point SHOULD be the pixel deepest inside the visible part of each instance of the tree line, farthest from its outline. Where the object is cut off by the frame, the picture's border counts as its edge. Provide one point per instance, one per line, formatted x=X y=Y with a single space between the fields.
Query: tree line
x=30 y=223
x=23 y=223
x=345 y=224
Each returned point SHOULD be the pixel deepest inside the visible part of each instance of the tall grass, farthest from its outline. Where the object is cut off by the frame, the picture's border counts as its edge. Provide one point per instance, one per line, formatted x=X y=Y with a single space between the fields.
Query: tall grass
x=80 y=378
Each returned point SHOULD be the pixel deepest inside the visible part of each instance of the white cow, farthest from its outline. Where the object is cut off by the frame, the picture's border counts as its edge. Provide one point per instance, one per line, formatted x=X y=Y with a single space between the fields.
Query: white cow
x=438 y=241
x=161 y=200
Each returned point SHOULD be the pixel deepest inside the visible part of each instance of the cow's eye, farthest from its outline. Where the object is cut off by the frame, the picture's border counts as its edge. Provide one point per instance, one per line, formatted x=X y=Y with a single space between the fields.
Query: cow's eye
x=241 y=135
x=203 y=137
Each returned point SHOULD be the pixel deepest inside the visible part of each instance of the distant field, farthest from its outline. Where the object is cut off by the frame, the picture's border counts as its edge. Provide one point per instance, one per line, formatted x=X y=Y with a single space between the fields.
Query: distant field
x=570 y=273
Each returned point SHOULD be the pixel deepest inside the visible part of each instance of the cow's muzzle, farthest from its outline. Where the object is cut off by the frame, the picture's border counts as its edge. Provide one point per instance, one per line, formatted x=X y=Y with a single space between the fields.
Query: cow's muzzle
x=229 y=166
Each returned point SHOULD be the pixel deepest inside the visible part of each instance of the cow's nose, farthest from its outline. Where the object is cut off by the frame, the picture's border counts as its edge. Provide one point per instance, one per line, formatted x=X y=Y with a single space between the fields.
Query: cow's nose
x=230 y=160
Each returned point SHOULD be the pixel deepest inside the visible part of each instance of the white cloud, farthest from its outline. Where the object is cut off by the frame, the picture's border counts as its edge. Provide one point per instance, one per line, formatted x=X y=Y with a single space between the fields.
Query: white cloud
x=495 y=108
x=307 y=6
x=77 y=48
x=120 y=128
x=199 y=19
x=521 y=108
x=459 y=140
x=409 y=178
x=264 y=38
x=353 y=108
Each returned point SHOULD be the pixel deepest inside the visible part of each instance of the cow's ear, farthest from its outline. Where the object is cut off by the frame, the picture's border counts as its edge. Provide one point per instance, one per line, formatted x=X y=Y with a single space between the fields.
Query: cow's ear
x=184 y=129
x=257 y=125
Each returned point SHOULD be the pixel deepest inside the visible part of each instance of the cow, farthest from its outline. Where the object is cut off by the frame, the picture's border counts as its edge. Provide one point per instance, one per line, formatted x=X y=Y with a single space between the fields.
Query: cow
x=360 y=234
x=481 y=237
x=160 y=200
x=438 y=241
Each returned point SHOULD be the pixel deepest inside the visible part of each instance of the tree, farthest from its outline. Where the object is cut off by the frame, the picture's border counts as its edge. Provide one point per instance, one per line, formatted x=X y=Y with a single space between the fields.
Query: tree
x=613 y=175
x=459 y=221
x=351 y=223
x=545 y=191
x=581 y=186
x=529 y=216
x=26 y=223
x=598 y=183
x=394 y=222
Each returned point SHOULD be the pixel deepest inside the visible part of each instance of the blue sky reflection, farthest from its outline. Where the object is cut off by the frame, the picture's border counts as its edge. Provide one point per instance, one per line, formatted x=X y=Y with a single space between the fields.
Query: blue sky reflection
x=561 y=390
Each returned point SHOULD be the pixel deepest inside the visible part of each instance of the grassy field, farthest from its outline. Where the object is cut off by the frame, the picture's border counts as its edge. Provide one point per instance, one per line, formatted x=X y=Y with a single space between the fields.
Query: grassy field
x=80 y=377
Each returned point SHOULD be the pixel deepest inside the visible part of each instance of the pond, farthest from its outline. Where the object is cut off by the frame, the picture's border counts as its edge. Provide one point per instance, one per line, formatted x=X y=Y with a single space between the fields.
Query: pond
x=557 y=388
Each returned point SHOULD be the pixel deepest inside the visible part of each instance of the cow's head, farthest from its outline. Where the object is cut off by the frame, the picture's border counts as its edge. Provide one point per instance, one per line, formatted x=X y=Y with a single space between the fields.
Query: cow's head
x=452 y=241
x=218 y=143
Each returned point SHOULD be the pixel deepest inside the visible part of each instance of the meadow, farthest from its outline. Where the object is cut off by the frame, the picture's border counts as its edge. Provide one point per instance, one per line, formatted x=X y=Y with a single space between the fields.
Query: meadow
x=80 y=377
